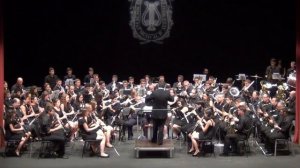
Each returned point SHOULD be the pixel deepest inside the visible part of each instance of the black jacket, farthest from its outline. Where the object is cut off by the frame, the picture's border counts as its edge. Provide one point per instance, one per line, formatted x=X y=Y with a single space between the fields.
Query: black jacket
x=159 y=98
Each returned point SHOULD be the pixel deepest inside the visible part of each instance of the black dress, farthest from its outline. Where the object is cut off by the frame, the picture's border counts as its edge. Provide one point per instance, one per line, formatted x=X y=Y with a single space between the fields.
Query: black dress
x=92 y=135
x=10 y=135
x=208 y=134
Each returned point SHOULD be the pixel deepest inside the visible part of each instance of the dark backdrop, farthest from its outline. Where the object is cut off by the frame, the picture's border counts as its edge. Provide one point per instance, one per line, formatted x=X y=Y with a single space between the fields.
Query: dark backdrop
x=227 y=36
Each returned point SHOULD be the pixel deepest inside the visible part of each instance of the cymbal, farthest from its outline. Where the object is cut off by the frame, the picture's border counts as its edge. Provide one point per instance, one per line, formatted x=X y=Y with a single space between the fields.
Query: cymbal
x=255 y=76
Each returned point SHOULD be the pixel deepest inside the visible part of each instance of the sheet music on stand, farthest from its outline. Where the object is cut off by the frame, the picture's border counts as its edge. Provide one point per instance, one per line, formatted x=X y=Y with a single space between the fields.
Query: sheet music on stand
x=69 y=82
x=147 y=109
x=201 y=76
x=276 y=76
x=241 y=77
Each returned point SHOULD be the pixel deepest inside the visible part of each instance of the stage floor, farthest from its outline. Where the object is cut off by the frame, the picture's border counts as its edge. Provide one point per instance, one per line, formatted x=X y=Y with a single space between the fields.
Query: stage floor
x=155 y=160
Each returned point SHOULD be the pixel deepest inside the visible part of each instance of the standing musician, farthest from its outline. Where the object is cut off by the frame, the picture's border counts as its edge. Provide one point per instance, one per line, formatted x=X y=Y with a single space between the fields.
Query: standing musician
x=89 y=77
x=160 y=99
x=292 y=68
x=271 y=69
x=69 y=78
x=52 y=130
x=51 y=78
x=237 y=129
x=203 y=130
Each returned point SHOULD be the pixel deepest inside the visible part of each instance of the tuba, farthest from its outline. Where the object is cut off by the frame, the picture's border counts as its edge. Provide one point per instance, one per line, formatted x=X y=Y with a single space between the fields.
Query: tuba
x=234 y=91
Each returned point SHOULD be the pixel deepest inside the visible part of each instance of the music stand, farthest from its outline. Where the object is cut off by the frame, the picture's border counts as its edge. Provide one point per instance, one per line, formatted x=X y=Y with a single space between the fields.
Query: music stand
x=241 y=77
x=145 y=109
x=126 y=92
x=201 y=76
x=69 y=82
x=276 y=76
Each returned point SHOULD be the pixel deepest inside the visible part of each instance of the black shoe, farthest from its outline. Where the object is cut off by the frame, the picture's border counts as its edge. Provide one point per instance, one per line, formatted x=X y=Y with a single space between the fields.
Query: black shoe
x=196 y=154
x=130 y=138
x=153 y=141
x=224 y=154
x=160 y=143
x=191 y=152
x=92 y=154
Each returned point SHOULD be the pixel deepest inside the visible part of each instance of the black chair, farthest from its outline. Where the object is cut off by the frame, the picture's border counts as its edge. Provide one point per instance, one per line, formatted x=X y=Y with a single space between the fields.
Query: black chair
x=87 y=144
x=44 y=150
x=244 y=142
x=286 y=143
x=207 y=145
x=10 y=145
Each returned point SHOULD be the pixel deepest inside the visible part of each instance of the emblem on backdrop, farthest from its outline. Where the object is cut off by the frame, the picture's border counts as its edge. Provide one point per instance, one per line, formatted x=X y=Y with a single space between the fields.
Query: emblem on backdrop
x=151 y=20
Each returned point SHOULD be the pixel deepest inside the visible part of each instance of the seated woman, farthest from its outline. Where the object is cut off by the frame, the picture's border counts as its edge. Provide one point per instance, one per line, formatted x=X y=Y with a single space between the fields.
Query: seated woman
x=90 y=130
x=203 y=131
x=15 y=131
x=106 y=128
x=180 y=116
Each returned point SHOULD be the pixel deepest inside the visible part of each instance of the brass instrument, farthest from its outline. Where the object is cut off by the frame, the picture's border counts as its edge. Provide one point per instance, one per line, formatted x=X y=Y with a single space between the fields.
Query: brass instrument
x=280 y=93
x=234 y=91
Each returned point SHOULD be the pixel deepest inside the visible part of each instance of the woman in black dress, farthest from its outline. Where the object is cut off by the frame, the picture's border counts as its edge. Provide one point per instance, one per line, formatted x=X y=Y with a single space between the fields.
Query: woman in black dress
x=90 y=130
x=15 y=131
x=203 y=131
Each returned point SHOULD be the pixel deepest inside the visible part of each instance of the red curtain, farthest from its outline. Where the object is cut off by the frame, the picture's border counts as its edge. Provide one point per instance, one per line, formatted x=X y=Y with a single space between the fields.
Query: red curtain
x=297 y=129
x=1 y=72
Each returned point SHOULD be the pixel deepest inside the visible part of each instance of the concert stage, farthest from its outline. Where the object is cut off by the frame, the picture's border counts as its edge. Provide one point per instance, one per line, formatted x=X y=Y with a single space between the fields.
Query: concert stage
x=147 y=146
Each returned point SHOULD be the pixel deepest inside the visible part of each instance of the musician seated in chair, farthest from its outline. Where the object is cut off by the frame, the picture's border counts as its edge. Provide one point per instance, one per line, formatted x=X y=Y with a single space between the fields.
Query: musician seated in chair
x=91 y=130
x=203 y=130
x=237 y=129
x=14 y=130
x=106 y=128
x=179 y=113
x=279 y=130
x=130 y=113
x=52 y=130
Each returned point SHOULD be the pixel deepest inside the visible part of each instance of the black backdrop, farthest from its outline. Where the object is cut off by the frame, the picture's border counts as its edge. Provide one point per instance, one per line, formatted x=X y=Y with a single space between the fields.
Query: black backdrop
x=227 y=36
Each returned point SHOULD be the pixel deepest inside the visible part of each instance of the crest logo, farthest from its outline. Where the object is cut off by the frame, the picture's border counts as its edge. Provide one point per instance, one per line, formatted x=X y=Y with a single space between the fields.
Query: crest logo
x=151 y=20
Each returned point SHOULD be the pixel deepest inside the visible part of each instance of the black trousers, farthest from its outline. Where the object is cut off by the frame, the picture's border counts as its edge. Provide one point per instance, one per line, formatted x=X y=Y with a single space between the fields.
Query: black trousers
x=58 y=140
x=158 y=131
x=231 y=140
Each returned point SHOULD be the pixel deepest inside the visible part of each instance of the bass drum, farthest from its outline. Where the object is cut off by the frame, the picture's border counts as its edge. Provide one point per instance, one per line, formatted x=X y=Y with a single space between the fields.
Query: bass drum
x=291 y=80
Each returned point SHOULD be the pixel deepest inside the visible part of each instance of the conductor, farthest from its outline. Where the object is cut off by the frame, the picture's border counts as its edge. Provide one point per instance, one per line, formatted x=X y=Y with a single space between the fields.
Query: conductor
x=159 y=99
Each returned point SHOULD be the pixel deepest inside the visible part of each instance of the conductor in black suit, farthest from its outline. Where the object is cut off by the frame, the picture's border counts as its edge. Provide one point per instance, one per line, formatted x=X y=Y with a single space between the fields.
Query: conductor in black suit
x=159 y=99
